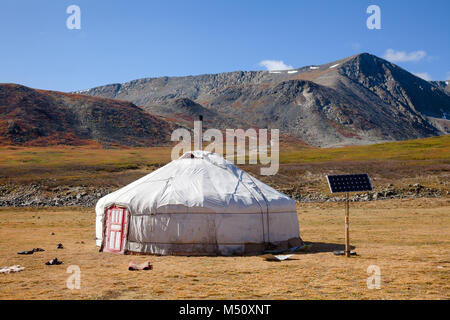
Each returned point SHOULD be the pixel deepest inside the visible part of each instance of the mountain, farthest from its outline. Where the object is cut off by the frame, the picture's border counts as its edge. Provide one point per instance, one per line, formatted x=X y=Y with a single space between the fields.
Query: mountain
x=33 y=117
x=182 y=110
x=442 y=85
x=361 y=99
x=357 y=100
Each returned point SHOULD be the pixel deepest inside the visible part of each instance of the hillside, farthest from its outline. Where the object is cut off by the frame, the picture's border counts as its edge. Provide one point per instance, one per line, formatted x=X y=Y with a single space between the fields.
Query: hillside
x=32 y=117
x=362 y=99
x=443 y=85
x=67 y=175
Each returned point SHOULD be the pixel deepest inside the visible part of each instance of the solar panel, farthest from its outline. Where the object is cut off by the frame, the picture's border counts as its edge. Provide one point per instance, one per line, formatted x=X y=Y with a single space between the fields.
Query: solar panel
x=349 y=183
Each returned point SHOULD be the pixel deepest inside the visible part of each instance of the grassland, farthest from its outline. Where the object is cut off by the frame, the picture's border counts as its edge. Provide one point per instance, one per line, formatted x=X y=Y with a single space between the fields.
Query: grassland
x=428 y=149
x=88 y=165
x=408 y=240
x=435 y=148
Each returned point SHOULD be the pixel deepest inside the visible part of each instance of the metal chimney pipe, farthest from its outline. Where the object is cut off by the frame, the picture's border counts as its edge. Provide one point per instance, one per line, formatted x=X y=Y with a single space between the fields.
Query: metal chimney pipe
x=198 y=133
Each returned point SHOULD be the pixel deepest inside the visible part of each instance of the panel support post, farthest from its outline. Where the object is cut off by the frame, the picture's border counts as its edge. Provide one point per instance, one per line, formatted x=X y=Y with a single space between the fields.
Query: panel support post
x=347 y=233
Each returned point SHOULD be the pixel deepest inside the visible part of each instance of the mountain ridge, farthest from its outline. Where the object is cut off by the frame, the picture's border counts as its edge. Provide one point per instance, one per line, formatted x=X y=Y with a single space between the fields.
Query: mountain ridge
x=360 y=99
x=33 y=117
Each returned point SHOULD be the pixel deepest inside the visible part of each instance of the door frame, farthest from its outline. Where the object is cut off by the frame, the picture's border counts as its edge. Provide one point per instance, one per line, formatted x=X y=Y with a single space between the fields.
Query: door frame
x=126 y=226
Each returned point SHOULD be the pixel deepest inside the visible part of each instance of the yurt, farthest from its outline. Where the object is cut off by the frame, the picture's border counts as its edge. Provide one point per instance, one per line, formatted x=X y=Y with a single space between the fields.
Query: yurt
x=199 y=204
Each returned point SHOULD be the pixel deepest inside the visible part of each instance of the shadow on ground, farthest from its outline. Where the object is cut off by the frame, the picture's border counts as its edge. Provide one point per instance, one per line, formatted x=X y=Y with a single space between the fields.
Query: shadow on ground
x=309 y=248
x=319 y=247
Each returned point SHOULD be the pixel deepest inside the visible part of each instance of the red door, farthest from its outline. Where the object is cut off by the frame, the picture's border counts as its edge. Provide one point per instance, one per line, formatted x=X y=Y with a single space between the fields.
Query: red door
x=116 y=229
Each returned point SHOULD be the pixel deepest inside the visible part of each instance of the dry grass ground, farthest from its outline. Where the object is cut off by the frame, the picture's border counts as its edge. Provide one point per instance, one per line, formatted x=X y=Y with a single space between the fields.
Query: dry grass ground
x=408 y=239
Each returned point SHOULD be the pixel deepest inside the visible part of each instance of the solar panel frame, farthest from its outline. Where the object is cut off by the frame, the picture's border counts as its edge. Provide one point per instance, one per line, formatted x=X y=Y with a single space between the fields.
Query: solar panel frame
x=349 y=183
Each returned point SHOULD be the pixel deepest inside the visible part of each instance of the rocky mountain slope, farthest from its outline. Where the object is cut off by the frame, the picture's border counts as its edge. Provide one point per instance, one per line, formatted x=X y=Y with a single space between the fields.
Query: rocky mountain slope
x=38 y=118
x=443 y=85
x=357 y=100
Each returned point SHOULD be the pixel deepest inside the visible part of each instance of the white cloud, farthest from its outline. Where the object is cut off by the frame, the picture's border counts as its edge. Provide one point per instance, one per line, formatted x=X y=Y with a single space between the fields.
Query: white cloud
x=403 y=56
x=423 y=75
x=272 y=65
x=447 y=76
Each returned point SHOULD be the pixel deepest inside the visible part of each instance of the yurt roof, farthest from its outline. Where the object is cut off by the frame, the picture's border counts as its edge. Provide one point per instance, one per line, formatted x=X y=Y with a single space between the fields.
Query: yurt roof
x=197 y=182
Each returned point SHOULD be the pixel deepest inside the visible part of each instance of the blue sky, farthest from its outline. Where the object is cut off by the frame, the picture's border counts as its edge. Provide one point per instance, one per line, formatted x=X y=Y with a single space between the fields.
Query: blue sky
x=125 y=40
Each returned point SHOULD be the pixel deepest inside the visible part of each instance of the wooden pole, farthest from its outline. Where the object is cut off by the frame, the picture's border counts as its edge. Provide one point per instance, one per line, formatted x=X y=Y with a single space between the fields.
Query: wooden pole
x=347 y=234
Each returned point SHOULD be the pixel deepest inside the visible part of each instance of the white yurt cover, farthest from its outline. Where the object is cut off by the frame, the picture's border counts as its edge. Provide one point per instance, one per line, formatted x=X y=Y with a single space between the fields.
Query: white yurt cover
x=202 y=204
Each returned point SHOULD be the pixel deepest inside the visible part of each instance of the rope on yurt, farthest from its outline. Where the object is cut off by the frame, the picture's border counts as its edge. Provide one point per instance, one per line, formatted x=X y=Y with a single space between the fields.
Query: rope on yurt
x=259 y=204
x=267 y=206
